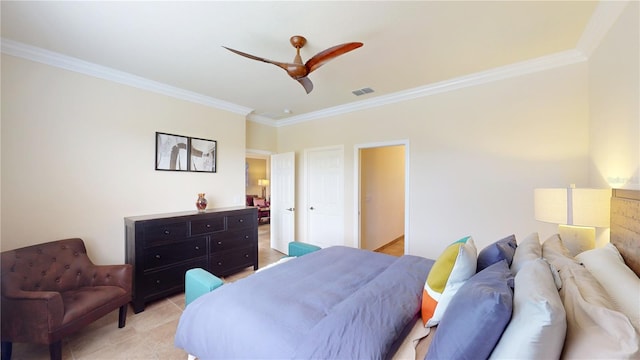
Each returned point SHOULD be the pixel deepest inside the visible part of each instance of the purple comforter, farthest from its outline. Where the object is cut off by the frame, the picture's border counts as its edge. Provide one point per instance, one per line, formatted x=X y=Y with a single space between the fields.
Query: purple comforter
x=335 y=303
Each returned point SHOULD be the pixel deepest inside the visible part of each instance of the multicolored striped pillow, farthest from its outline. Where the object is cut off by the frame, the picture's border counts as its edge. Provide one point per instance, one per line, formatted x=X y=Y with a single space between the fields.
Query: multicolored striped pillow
x=452 y=269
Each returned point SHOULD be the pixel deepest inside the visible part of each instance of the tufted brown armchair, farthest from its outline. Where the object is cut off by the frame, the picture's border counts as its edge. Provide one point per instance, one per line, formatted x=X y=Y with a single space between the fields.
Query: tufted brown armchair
x=53 y=289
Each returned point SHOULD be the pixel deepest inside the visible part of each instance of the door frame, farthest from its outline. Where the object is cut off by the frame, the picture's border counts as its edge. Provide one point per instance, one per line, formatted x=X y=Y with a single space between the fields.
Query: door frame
x=357 y=191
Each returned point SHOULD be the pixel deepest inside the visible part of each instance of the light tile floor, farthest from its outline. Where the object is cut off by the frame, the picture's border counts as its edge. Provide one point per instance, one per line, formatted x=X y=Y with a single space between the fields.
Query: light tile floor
x=149 y=334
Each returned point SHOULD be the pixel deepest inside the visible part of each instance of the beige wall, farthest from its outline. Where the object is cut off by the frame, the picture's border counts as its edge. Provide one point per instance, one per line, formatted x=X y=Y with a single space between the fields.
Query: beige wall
x=261 y=137
x=614 y=105
x=78 y=156
x=476 y=154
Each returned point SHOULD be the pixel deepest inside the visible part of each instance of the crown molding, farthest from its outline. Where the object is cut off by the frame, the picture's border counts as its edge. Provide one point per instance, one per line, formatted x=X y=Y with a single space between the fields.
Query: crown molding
x=262 y=120
x=509 y=71
x=51 y=58
x=603 y=18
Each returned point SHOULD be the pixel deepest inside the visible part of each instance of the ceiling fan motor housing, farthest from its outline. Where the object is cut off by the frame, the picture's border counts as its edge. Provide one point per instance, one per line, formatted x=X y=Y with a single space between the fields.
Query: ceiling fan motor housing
x=298 y=41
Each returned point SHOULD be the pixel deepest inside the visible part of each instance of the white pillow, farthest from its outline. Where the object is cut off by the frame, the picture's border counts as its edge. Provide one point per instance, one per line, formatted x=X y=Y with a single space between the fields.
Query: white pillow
x=554 y=251
x=538 y=324
x=620 y=282
x=594 y=328
x=528 y=249
x=557 y=256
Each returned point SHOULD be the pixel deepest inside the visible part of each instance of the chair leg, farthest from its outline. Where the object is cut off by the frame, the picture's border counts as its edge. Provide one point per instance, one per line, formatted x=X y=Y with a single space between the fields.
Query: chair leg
x=122 y=316
x=55 y=350
x=7 y=348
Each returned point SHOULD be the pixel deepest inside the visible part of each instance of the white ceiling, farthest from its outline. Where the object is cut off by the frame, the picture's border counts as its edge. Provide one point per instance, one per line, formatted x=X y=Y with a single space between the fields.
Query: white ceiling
x=407 y=44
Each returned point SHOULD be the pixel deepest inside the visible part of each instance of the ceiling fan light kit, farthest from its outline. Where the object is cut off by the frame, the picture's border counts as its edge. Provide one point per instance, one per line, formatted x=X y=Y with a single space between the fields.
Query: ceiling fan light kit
x=299 y=70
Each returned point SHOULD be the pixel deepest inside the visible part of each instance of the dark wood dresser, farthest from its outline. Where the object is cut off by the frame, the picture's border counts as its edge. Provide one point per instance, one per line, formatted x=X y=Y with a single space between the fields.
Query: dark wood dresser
x=163 y=247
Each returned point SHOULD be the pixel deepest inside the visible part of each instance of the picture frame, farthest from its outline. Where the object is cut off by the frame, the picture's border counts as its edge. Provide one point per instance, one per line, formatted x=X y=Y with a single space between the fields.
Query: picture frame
x=202 y=155
x=172 y=152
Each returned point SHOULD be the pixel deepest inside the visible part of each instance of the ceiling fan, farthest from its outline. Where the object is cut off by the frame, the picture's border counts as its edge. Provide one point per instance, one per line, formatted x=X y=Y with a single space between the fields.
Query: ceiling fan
x=299 y=71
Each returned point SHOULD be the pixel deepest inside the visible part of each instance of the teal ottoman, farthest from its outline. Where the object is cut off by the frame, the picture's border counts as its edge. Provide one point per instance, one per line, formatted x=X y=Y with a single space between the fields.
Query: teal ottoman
x=299 y=248
x=198 y=282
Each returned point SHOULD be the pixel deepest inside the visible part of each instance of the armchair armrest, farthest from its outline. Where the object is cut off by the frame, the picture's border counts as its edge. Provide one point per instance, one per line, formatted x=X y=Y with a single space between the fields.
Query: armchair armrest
x=29 y=313
x=113 y=275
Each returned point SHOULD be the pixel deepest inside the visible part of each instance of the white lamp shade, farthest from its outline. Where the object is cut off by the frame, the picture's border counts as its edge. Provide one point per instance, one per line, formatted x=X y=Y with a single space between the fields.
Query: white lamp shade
x=263 y=182
x=582 y=207
x=550 y=205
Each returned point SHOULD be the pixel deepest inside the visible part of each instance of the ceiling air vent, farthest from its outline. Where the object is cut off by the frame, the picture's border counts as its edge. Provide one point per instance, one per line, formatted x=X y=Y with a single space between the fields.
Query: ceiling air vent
x=362 y=91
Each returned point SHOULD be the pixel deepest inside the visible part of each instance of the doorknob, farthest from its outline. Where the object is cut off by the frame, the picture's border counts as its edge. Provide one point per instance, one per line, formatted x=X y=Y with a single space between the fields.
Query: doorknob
x=290 y=209
x=311 y=208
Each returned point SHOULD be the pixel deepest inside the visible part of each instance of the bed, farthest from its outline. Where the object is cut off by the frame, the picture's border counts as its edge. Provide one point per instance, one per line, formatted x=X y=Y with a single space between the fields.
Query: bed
x=342 y=303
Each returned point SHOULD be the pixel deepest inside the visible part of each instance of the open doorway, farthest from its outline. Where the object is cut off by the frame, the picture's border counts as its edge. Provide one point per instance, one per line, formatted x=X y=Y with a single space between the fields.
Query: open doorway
x=382 y=197
x=258 y=193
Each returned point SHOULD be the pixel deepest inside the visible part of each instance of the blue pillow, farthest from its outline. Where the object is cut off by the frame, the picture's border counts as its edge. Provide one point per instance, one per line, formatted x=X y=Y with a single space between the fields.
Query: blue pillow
x=502 y=249
x=476 y=317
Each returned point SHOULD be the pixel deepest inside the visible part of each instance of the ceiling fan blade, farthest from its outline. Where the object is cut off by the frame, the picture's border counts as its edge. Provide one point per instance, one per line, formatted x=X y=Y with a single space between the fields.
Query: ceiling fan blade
x=306 y=83
x=294 y=70
x=324 y=56
x=285 y=66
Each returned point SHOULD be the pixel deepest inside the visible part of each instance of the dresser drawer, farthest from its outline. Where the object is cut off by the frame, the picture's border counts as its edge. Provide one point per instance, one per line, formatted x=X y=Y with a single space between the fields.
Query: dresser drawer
x=156 y=234
x=242 y=221
x=233 y=239
x=206 y=226
x=166 y=255
x=169 y=280
x=227 y=262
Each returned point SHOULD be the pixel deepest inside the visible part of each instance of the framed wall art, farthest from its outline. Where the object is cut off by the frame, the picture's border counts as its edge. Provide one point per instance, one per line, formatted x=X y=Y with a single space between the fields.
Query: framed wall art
x=202 y=155
x=172 y=152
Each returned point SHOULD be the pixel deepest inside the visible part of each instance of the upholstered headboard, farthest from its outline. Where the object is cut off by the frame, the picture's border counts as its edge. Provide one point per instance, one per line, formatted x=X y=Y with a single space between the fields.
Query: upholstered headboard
x=625 y=226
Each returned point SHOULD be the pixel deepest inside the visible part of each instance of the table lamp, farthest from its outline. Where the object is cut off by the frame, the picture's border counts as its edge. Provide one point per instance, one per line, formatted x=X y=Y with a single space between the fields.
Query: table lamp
x=263 y=183
x=576 y=211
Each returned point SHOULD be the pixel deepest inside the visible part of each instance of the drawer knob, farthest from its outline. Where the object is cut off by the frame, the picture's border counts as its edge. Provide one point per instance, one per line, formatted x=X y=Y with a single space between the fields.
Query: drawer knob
x=219 y=242
x=158 y=256
x=208 y=226
x=167 y=232
x=158 y=282
x=219 y=263
x=241 y=220
x=197 y=247
x=246 y=255
x=246 y=236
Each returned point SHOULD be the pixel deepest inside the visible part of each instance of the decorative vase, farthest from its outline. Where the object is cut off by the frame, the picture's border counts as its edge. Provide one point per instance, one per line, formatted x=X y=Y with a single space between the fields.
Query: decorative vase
x=201 y=203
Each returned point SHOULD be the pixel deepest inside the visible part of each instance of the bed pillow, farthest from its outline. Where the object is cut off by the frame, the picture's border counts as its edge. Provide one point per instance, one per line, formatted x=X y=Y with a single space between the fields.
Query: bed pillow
x=528 y=249
x=538 y=325
x=502 y=249
x=608 y=267
x=476 y=317
x=557 y=256
x=594 y=328
x=554 y=251
x=456 y=264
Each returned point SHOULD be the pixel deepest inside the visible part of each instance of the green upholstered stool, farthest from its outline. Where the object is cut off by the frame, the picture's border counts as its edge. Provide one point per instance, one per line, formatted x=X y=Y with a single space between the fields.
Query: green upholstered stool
x=299 y=248
x=198 y=282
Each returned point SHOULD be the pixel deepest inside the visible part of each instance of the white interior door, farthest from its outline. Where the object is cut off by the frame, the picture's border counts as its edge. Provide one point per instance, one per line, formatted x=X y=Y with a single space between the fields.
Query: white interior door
x=324 y=194
x=283 y=192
